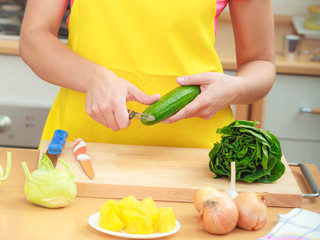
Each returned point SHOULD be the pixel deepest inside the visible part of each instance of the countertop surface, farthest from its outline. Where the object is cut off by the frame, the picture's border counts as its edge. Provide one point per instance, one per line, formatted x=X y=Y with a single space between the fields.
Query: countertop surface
x=20 y=219
x=9 y=46
x=301 y=66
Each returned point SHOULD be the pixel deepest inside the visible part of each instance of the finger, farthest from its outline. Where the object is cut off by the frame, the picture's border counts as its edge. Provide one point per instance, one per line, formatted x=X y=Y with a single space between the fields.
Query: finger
x=197 y=79
x=200 y=107
x=94 y=114
x=91 y=110
x=187 y=112
x=121 y=115
x=103 y=114
x=109 y=118
x=135 y=94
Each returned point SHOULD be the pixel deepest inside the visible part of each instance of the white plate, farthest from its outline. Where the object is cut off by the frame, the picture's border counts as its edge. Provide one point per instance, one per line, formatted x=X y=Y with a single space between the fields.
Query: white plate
x=94 y=222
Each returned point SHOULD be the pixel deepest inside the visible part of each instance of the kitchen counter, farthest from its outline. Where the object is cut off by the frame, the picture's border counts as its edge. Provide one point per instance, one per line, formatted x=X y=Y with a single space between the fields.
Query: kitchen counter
x=10 y=47
x=20 y=219
x=300 y=66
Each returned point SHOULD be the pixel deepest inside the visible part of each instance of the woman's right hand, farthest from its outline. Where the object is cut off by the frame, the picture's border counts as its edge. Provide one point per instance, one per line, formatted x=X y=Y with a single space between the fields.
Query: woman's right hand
x=106 y=99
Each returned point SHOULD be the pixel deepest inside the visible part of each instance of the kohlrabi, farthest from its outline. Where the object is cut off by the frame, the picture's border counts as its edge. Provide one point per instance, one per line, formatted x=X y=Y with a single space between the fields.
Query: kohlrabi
x=2 y=177
x=50 y=187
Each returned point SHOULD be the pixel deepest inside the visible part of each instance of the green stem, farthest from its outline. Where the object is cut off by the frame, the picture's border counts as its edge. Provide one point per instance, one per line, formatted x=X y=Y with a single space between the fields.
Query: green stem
x=1 y=172
x=66 y=166
x=26 y=170
x=8 y=167
x=46 y=163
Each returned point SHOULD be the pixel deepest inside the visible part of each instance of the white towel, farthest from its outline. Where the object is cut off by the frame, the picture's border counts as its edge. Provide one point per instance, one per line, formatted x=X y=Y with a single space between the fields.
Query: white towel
x=297 y=224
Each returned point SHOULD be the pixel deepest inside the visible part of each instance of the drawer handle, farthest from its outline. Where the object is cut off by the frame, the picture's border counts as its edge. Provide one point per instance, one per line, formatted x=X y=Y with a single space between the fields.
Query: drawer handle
x=307 y=175
x=310 y=110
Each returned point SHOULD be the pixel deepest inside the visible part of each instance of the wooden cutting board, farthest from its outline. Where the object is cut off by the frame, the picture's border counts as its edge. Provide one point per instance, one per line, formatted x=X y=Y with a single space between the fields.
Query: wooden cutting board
x=163 y=173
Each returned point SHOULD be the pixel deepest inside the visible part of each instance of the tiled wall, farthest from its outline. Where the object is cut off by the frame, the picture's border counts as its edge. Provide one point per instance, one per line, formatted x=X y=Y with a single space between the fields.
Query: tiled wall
x=292 y=7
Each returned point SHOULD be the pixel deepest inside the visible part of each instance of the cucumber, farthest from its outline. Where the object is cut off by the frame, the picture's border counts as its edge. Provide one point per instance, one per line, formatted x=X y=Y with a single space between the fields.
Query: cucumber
x=171 y=103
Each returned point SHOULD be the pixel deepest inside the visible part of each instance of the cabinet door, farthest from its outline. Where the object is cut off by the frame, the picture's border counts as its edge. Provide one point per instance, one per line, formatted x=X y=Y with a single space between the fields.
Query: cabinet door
x=298 y=132
x=283 y=107
x=20 y=86
x=301 y=151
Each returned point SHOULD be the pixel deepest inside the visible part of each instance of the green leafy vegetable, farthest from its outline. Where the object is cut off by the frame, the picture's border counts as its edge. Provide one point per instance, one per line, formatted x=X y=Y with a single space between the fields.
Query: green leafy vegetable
x=257 y=153
x=49 y=187
x=2 y=177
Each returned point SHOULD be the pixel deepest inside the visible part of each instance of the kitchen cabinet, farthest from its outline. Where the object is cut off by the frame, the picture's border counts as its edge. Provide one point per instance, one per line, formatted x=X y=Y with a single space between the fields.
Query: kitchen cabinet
x=298 y=132
x=20 y=86
x=25 y=101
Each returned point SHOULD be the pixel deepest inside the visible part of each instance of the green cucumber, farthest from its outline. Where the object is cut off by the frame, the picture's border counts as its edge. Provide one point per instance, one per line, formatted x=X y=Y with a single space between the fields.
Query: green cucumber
x=171 y=103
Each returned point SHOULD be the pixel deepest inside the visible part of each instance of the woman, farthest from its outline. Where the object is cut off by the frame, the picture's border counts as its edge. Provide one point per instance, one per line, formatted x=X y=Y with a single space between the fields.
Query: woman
x=125 y=54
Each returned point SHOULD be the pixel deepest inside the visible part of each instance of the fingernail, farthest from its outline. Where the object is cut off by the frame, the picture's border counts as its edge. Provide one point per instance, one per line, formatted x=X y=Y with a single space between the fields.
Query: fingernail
x=180 y=79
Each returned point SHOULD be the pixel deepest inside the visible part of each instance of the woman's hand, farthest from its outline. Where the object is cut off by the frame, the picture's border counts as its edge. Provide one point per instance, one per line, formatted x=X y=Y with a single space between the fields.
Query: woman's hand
x=217 y=92
x=107 y=96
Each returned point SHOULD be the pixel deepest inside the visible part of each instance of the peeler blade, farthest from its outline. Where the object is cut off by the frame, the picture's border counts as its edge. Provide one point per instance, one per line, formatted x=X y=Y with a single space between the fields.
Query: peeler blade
x=137 y=115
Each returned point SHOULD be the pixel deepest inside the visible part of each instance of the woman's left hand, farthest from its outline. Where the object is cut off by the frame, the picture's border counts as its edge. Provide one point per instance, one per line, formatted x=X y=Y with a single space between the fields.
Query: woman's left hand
x=217 y=92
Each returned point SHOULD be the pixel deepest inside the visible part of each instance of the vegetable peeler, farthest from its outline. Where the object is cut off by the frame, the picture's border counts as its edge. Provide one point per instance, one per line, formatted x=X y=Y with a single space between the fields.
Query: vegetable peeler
x=137 y=115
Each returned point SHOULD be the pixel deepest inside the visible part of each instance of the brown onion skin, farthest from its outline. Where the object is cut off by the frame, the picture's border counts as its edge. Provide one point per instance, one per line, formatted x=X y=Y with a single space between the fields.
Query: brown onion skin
x=219 y=215
x=206 y=193
x=252 y=210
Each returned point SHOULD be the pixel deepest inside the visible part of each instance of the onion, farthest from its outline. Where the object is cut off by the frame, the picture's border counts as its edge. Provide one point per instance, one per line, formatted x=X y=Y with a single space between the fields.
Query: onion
x=219 y=215
x=206 y=193
x=252 y=210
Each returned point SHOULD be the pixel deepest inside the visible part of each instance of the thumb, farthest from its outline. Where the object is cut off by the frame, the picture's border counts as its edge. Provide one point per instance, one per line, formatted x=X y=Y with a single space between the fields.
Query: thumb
x=195 y=79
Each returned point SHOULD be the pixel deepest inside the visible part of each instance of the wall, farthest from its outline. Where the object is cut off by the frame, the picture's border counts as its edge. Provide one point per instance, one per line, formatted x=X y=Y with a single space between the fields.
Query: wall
x=291 y=7
x=283 y=12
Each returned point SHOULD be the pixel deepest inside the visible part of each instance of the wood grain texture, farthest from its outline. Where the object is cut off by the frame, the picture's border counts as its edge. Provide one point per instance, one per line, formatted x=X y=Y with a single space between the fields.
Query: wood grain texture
x=163 y=173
